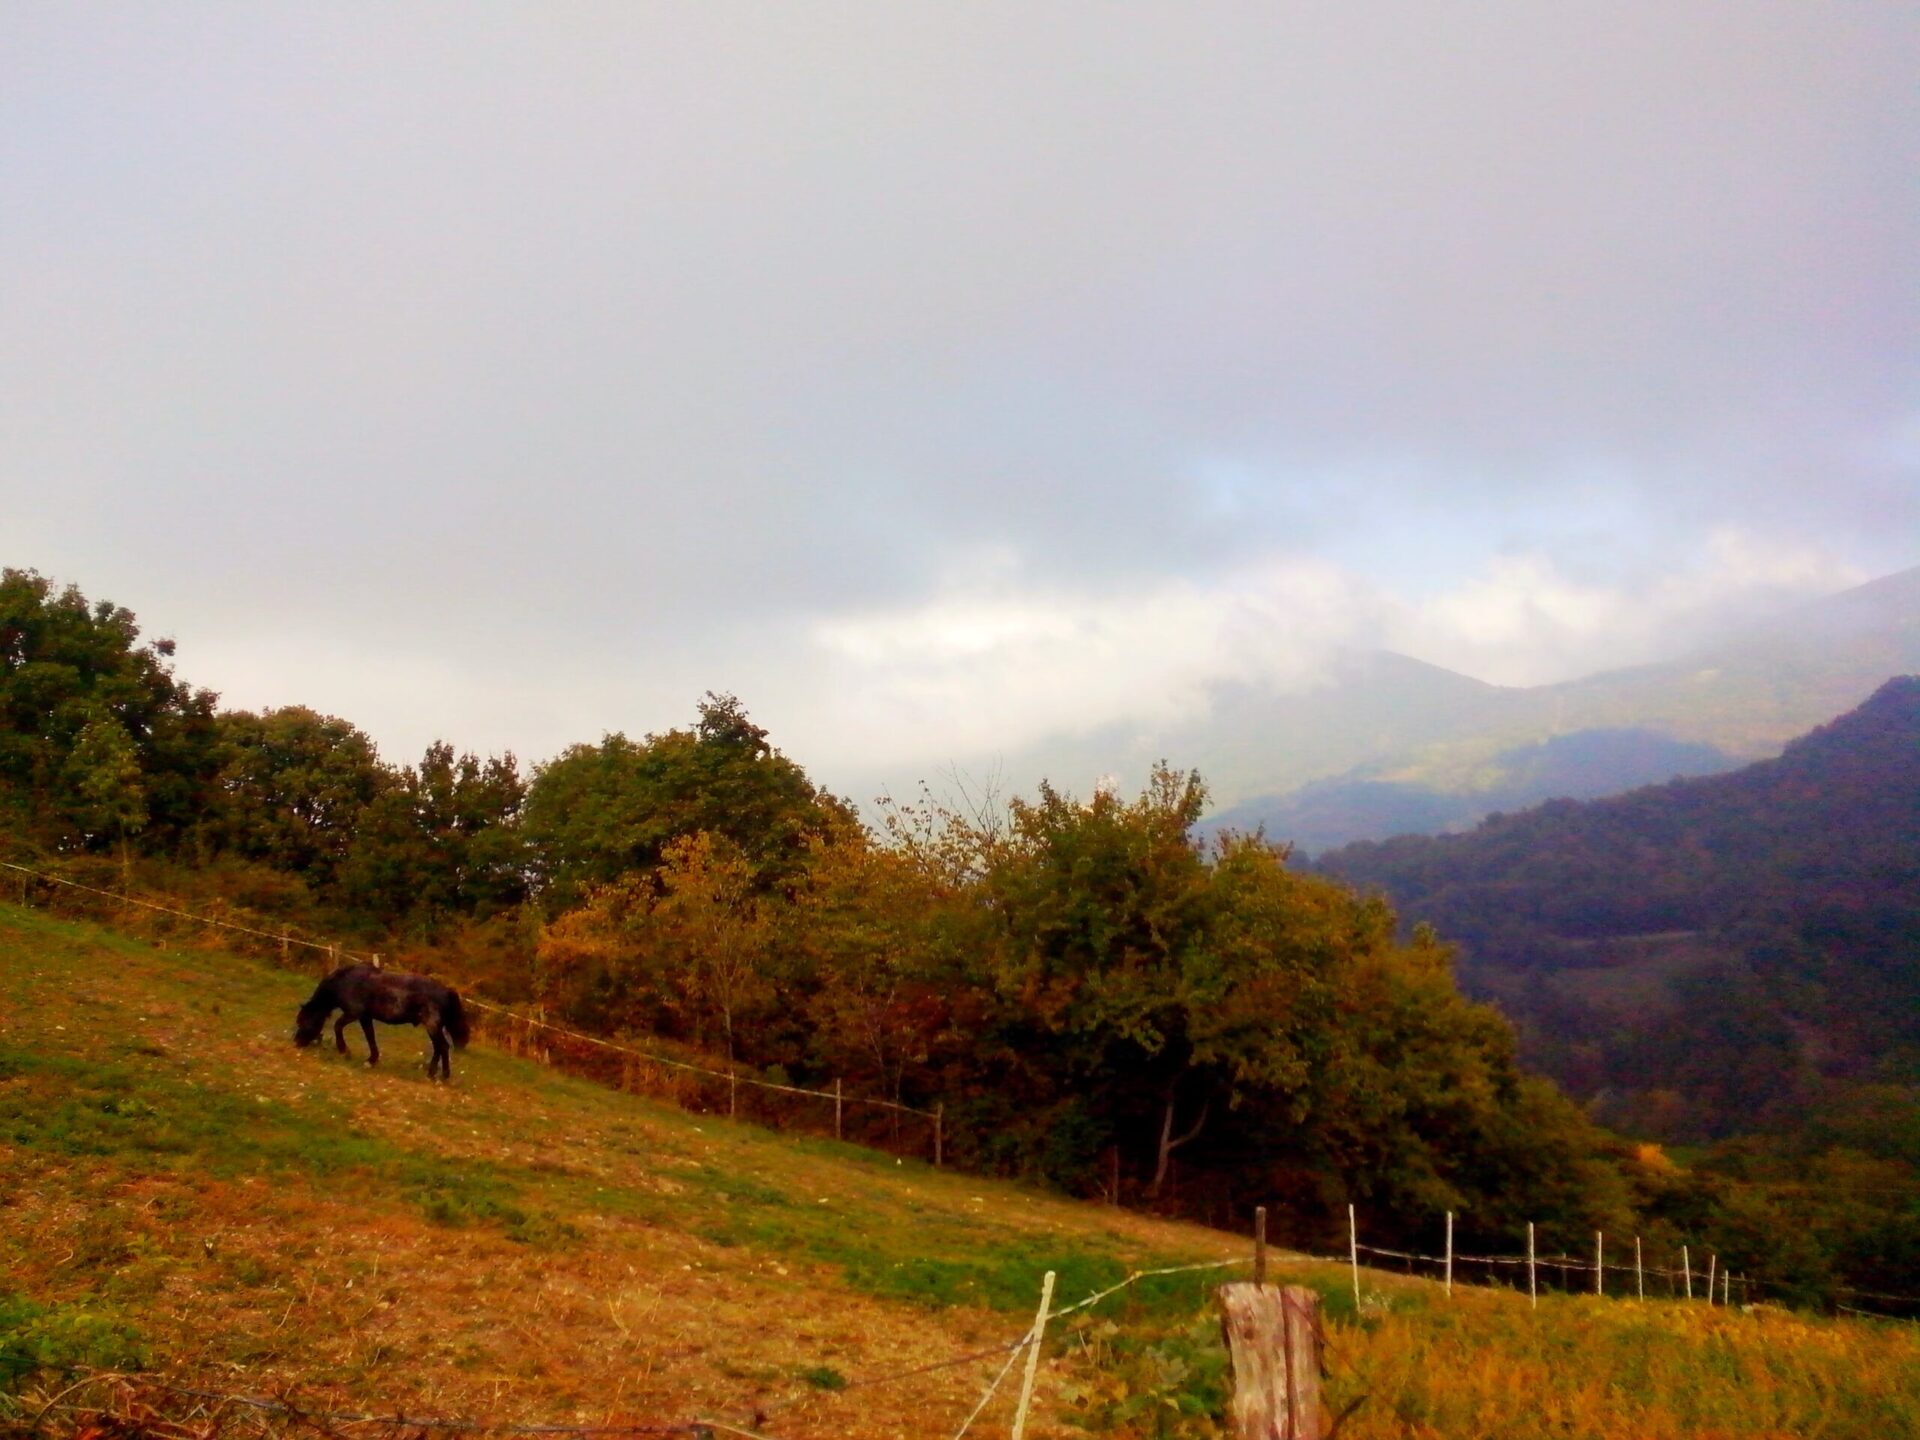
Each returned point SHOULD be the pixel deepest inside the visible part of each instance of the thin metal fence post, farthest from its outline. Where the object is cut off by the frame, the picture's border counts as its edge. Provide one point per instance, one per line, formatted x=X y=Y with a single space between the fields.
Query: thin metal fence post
x=1533 y=1275
x=1033 y=1357
x=1353 y=1253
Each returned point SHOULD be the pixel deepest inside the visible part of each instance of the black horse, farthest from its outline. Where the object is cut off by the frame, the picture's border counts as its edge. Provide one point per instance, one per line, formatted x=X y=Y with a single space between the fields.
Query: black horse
x=363 y=993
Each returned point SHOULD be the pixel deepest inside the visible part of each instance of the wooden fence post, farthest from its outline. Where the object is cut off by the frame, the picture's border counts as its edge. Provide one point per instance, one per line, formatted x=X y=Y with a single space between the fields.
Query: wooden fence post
x=1449 y=1252
x=939 y=1133
x=1599 y=1262
x=1533 y=1276
x=1260 y=1245
x=837 y=1127
x=1353 y=1253
x=1033 y=1356
x=1273 y=1345
x=1639 y=1269
x=1686 y=1270
x=1713 y=1262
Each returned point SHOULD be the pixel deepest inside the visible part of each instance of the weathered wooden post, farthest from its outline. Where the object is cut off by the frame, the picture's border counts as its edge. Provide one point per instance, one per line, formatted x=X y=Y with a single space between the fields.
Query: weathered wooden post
x=1599 y=1262
x=1686 y=1270
x=837 y=1129
x=1449 y=1252
x=1639 y=1269
x=1260 y=1245
x=939 y=1133
x=1713 y=1263
x=1273 y=1344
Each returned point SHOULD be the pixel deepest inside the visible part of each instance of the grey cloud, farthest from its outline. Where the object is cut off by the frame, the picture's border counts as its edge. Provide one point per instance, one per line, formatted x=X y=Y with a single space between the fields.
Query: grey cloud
x=633 y=338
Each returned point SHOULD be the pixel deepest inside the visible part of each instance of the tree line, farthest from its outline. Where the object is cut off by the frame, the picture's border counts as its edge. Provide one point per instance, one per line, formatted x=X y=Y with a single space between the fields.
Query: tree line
x=1098 y=1000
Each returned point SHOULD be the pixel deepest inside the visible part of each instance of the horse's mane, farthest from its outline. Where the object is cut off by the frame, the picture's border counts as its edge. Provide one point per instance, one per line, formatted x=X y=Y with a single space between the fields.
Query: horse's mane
x=322 y=1000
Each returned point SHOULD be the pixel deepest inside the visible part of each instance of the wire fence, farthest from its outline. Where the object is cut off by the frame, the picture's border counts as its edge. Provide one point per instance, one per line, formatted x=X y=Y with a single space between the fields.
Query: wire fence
x=733 y=1078
x=1711 y=1283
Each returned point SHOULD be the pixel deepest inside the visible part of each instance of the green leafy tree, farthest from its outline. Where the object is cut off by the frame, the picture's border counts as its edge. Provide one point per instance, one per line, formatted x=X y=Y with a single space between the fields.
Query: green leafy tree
x=598 y=811
x=1105 y=911
x=296 y=786
x=68 y=664
x=442 y=841
x=102 y=776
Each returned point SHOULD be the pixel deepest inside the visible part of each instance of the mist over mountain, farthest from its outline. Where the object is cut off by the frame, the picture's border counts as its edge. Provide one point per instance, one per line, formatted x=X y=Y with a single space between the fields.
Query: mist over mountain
x=1386 y=745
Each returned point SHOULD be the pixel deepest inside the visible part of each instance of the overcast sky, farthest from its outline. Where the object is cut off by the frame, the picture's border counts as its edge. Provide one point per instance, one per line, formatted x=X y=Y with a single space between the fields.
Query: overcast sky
x=946 y=376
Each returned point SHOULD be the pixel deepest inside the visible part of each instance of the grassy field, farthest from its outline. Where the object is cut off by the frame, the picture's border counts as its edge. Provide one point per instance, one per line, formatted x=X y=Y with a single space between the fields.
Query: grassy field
x=186 y=1196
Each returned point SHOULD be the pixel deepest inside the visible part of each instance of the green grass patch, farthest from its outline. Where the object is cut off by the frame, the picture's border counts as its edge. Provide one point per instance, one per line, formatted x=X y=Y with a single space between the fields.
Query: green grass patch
x=145 y=1119
x=37 y=1340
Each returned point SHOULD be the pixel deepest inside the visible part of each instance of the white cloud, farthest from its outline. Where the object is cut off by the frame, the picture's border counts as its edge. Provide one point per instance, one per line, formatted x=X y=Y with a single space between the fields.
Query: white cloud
x=994 y=666
x=1523 y=621
x=991 y=665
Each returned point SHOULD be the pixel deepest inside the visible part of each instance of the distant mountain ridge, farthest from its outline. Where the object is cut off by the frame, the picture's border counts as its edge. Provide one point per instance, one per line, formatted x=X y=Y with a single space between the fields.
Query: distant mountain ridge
x=1739 y=700
x=1582 y=765
x=1703 y=956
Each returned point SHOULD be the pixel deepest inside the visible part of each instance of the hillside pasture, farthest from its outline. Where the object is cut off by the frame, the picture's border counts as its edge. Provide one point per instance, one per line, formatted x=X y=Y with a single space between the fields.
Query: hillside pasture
x=190 y=1199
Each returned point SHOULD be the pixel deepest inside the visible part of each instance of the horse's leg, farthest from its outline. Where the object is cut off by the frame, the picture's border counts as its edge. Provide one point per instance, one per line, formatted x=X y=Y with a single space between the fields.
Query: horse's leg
x=432 y=1027
x=340 y=1032
x=373 y=1048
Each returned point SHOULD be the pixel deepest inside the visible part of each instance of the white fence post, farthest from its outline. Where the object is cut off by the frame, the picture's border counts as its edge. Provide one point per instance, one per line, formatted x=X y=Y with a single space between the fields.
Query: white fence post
x=1353 y=1253
x=1533 y=1276
x=1449 y=1252
x=1033 y=1357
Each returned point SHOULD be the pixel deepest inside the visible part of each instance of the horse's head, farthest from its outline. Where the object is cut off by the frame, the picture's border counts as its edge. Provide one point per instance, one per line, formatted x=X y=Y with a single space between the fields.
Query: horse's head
x=308 y=1025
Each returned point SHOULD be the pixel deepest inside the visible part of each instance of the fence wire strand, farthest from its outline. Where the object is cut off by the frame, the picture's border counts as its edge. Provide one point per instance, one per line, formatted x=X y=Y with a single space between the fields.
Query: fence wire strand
x=342 y=952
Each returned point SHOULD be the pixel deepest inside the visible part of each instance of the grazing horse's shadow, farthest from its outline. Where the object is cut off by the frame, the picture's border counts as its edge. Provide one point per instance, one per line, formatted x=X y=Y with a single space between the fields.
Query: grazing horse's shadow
x=366 y=994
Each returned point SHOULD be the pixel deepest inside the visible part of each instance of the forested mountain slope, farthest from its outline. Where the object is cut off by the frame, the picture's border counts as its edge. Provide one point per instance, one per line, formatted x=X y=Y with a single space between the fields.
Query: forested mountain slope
x=1706 y=956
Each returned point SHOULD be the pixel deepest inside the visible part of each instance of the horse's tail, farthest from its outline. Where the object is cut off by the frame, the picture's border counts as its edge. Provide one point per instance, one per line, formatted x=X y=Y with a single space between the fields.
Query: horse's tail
x=453 y=1019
